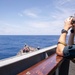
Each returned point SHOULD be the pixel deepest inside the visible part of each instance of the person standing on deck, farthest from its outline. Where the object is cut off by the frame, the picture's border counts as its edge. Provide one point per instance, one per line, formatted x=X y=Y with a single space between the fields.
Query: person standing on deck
x=63 y=49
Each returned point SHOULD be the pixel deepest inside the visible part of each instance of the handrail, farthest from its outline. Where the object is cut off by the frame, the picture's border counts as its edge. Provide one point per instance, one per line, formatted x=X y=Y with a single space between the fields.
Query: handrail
x=53 y=65
x=45 y=67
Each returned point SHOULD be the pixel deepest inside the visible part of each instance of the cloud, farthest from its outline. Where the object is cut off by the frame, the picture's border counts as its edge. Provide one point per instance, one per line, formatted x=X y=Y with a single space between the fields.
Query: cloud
x=9 y=29
x=44 y=28
x=63 y=9
x=44 y=21
x=65 y=12
x=20 y=14
x=49 y=25
x=38 y=24
x=62 y=2
x=32 y=12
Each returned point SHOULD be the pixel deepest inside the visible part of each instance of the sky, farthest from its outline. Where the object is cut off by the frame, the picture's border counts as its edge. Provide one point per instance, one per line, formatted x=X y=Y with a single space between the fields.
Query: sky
x=34 y=17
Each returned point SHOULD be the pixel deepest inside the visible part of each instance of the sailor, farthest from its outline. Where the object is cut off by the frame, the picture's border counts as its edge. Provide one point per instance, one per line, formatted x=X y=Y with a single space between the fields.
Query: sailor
x=38 y=48
x=26 y=49
x=63 y=49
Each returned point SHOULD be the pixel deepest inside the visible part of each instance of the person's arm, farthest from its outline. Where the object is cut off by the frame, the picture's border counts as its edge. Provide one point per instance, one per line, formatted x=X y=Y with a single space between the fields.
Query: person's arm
x=60 y=46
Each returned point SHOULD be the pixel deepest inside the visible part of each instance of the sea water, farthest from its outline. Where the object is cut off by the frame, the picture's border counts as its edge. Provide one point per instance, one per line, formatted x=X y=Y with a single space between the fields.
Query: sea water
x=11 y=44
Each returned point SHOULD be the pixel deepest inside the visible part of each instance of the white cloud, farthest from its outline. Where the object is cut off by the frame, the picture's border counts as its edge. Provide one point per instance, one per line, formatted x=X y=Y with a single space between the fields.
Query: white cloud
x=32 y=12
x=62 y=2
x=38 y=24
x=20 y=14
x=41 y=21
x=63 y=9
x=45 y=28
x=65 y=12
x=9 y=29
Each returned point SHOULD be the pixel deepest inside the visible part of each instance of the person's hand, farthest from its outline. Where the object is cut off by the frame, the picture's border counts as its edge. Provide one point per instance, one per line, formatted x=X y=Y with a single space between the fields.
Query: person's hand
x=68 y=24
x=73 y=27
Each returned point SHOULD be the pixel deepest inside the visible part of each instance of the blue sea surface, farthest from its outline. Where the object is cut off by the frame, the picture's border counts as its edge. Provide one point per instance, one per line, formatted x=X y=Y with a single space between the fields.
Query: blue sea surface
x=11 y=44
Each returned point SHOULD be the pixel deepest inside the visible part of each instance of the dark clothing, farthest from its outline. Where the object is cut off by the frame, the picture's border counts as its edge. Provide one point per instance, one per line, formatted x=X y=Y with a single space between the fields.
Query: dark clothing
x=69 y=51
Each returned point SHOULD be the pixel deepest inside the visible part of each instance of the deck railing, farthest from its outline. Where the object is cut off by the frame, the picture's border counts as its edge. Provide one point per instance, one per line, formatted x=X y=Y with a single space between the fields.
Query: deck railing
x=42 y=62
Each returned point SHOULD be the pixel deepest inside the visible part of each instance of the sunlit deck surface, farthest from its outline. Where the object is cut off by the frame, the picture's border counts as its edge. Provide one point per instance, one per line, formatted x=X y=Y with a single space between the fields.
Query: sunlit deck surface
x=72 y=68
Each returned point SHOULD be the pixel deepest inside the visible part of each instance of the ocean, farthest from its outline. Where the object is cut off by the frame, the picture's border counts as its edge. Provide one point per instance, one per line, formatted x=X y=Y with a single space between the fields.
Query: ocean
x=11 y=44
